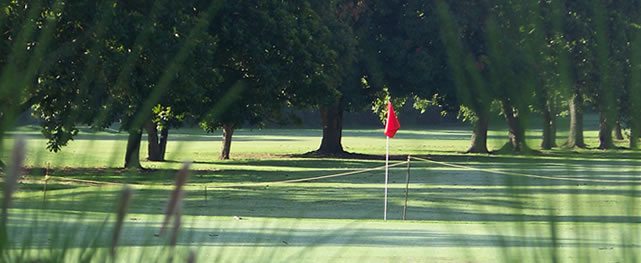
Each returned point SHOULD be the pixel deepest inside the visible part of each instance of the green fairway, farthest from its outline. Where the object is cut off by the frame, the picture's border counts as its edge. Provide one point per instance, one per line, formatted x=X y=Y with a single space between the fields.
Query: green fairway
x=558 y=204
x=320 y=131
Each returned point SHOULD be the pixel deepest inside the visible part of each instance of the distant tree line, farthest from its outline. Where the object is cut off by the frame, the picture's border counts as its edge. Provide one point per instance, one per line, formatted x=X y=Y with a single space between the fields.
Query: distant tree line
x=155 y=65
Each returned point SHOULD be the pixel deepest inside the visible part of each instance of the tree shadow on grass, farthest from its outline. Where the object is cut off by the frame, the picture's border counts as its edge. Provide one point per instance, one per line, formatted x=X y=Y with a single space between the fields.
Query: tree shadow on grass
x=616 y=155
x=603 y=173
x=97 y=176
x=446 y=194
x=299 y=162
x=145 y=234
x=27 y=186
x=173 y=137
x=330 y=202
x=585 y=159
x=349 y=156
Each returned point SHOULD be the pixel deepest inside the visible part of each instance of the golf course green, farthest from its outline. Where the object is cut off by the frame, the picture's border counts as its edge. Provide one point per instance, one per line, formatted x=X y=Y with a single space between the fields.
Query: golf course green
x=560 y=205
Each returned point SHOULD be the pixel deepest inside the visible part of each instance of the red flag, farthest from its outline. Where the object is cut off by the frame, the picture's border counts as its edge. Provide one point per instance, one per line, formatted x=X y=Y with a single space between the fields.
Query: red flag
x=392 y=125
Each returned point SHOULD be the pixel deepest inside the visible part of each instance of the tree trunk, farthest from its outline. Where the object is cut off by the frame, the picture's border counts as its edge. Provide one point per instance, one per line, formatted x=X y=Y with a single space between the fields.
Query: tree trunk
x=479 y=133
x=164 y=137
x=516 y=133
x=634 y=137
x=553 y=132
x=3 y=166
x=618 y=131
x=132 y=156
x=2 y=141
x=549 y=129
x=605 y=133
x=575 y=136
x=228 y=132
x=153 y=147
x=332 y=121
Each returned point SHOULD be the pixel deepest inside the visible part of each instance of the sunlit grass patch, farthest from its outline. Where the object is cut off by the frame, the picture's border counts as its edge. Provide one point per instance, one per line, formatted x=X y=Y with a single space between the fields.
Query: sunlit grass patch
x=236 y=211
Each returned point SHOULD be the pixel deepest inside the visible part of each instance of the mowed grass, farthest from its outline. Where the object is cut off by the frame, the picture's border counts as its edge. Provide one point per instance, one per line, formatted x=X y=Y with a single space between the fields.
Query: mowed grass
x=454 y=214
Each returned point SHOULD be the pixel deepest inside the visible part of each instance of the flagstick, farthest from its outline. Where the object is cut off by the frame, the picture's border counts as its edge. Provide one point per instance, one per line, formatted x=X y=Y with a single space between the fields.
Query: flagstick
x=407 y=186
x=386 y=176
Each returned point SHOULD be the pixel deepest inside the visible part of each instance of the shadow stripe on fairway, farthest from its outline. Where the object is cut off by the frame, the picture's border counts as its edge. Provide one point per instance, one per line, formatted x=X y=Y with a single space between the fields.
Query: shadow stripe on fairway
x=310 y=178
x=487 y=170
x=307 y=179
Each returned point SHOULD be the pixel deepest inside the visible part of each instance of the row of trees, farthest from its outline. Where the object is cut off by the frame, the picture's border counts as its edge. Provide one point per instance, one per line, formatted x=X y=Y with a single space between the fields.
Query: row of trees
x=155 y=65
x=547 y=58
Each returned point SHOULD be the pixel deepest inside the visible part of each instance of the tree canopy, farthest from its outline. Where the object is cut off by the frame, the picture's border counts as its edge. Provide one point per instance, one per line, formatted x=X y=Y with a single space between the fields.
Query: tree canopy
x=151 y=65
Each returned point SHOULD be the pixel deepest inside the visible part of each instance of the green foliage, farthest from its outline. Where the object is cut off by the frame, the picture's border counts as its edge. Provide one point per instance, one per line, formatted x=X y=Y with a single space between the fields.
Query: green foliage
x=273 y=55
x=116 y=60
x=465 y=55
x=379 y=105
x=243 y=62
x=164 y=117
x=422 y=104
x=400 y=49
x=467 y=115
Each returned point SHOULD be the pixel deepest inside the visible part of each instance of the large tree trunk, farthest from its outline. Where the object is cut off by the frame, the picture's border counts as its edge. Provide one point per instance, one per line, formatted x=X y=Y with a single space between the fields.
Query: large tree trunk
x=634 y=137
x=605 y=133
x=618 y=131
x=516 y=133
x=228 y=132
x=575 y=136
x=332 y=121
x=164 y=137
x=549 y=129
x=153 y=147
x=479 y=133
x=132 y=156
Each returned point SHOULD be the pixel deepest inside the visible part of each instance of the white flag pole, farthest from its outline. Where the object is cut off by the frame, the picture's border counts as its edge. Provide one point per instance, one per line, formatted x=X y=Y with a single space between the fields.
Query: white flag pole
x=386 y=176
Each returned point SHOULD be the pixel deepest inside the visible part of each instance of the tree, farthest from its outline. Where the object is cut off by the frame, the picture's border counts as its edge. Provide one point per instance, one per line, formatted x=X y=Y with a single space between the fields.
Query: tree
x=137 y=50
x=619 y=22
x=579 y=39
x=339 y=88
x=462 y=34
x=236 y=108
x=12 y=51
x=403 y=56
x=271 y=53
x=164 y=118
x=597 y=42
x=160 y=50
x=69 y=90
x=546 y=43
x=28 y=30
x=634 y=101
x=605 y=99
